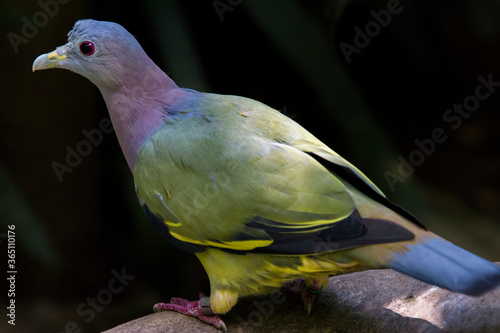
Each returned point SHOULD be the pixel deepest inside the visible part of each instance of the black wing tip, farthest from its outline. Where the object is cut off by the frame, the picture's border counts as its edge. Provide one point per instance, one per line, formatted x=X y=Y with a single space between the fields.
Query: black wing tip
x=348 y=175
x=353 y=231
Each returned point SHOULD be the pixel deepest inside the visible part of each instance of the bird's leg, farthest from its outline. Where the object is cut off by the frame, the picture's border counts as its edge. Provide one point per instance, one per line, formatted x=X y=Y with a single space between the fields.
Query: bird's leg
x=307 y=289
x=200 y=309
x=299 y=287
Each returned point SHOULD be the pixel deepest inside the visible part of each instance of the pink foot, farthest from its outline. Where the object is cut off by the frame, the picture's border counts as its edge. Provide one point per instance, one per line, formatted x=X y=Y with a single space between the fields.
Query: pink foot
x=200 y=309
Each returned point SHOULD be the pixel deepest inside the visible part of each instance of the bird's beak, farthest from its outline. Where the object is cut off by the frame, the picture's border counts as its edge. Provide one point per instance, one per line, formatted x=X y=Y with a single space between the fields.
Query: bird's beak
x=52 y=59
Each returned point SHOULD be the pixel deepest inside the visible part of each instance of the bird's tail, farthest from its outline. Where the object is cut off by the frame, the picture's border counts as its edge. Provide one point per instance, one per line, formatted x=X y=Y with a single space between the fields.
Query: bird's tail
x=439 y=262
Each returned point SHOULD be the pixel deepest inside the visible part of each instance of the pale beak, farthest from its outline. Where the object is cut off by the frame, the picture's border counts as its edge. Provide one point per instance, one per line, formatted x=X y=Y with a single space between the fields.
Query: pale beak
x=52 y=59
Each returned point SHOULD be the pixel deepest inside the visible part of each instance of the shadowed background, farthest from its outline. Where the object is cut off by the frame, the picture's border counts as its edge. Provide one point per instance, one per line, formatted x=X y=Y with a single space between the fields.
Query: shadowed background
x=71 y=234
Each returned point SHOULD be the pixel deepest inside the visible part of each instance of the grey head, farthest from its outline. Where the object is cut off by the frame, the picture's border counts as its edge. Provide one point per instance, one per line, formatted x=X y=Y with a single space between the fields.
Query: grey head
x=103 y=52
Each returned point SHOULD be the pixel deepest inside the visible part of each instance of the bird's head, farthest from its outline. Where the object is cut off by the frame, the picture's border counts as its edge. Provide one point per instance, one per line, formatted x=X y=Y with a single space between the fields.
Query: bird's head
x=103 y=52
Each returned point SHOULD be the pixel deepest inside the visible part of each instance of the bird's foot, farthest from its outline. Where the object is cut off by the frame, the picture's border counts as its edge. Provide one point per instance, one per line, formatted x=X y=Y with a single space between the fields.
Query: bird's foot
x=307 y=294
x=200 y=309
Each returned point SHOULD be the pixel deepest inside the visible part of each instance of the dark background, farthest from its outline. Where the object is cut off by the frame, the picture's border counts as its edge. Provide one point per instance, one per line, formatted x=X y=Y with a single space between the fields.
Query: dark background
x=70 y=235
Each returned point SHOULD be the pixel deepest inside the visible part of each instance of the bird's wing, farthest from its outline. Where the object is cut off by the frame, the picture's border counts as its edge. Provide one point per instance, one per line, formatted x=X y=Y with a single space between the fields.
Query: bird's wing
x=266 y=197
x=305 y=208
x=350 y=174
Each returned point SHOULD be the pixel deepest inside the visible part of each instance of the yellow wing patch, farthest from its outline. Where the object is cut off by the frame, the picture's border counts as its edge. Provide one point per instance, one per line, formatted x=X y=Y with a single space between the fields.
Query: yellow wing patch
x=244 y=245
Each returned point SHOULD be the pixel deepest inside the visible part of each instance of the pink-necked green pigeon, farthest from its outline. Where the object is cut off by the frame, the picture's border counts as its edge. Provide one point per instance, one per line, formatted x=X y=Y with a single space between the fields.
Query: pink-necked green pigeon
x=258 y=199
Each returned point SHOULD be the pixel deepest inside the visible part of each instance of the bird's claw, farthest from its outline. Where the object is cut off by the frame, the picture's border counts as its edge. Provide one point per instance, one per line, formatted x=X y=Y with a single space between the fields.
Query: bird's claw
x=298 y=286
x=195 y=309
x=308 y=299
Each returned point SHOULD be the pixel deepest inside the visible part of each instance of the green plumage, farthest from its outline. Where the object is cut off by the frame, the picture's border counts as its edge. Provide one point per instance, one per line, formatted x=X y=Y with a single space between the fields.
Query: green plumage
x=235 y=176
x=229 y=160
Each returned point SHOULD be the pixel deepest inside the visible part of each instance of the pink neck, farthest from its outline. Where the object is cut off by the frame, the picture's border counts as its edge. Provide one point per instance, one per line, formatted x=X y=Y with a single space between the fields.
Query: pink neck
x=139 y=110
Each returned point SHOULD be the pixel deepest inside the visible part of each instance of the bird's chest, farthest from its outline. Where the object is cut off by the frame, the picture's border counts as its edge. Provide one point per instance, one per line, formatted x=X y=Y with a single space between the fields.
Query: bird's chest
x=189 y=185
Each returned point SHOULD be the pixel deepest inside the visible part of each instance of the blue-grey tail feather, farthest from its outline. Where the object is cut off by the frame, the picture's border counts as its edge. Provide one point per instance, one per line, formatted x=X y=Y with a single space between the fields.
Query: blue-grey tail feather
x=439 y=262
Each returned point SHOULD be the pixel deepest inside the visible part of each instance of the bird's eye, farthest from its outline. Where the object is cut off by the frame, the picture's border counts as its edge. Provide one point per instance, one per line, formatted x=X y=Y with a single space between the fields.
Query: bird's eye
x=87 y=48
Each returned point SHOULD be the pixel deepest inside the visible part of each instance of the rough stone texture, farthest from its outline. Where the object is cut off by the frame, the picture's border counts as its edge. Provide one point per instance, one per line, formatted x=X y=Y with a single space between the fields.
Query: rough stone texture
x=371 y=301
x=164 y=322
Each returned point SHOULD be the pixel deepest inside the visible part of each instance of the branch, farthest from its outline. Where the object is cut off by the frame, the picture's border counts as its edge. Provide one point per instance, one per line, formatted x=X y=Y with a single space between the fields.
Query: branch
x=376 y=300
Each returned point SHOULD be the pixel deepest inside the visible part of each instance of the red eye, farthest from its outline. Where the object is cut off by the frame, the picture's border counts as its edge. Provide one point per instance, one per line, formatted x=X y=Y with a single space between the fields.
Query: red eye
x=87 y=48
